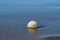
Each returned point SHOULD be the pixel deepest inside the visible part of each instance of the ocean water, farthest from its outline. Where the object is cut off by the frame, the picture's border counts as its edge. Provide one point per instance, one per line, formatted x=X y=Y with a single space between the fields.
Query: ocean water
x=15 y=14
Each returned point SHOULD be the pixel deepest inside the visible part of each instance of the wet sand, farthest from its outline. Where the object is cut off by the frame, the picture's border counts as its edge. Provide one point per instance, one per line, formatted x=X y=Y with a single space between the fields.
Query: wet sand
x=8 y=31
x=15 y=29
x=8 y=35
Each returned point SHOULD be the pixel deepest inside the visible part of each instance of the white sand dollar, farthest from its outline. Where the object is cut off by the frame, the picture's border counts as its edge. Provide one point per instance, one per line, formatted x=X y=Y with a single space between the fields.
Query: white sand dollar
x=32 y=24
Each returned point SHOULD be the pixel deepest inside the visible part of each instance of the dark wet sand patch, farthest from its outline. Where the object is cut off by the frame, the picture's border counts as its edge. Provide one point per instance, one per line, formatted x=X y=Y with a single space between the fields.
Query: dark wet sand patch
x=48 y=38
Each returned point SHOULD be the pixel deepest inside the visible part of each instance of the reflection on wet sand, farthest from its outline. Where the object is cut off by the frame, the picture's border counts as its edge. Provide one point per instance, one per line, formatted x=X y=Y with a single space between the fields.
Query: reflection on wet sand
x=32 y=30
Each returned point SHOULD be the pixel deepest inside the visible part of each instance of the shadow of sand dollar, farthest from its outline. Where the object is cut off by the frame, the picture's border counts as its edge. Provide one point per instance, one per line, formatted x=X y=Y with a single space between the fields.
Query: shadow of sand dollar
x=48 y=38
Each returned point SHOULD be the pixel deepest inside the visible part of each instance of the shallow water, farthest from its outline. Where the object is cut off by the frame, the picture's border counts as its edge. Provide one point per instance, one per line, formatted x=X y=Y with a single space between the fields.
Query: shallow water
x=15 y=14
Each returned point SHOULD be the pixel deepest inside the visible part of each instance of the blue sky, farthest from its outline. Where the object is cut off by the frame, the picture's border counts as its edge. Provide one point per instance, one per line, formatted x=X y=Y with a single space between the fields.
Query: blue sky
x=29 y=5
